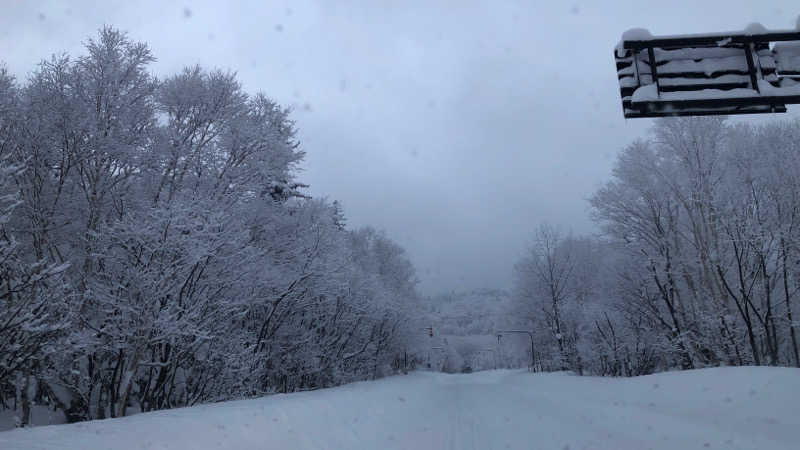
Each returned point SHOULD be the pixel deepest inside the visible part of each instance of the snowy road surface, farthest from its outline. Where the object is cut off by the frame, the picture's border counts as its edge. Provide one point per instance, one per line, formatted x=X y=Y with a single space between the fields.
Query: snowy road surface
x=727 y=408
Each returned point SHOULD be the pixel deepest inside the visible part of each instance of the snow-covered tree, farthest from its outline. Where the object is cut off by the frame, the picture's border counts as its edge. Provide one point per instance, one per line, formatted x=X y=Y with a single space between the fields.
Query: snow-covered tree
x=157 y=250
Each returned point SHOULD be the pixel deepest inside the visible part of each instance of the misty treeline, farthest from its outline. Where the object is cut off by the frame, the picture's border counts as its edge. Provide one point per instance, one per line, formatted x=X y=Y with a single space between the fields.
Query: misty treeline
x=698 y=263
x=156 y=249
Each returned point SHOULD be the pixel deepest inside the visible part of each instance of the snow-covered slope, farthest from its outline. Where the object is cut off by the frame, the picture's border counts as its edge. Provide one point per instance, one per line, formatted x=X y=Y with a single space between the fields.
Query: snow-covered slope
x=465 y=326
x=727 y=408
x=469 y=313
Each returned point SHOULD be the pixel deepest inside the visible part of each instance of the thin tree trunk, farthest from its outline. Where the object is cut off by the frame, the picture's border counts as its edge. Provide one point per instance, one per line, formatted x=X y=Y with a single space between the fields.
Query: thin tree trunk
x=26 y=395
x=126 y=383
x=787 y=298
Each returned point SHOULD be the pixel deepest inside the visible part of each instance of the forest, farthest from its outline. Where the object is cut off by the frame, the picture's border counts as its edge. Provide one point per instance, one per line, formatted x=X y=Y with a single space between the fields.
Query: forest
x=697 y=263
x=158 y=249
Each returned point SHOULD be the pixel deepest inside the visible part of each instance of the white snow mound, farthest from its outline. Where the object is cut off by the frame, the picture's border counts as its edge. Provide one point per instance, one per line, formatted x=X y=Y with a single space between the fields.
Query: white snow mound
x=723 y=408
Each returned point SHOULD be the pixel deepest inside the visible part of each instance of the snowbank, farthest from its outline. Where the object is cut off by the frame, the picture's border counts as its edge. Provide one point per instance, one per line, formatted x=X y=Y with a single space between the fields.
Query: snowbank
x=725 y=408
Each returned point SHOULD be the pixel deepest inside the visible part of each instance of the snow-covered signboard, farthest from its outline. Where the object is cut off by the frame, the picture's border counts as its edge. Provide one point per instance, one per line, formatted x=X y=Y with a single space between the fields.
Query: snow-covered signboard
x=743 y=72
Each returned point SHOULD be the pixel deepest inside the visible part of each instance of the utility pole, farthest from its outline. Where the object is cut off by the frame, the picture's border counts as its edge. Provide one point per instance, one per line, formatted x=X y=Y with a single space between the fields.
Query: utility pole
x=430 y=335
x=497 y=358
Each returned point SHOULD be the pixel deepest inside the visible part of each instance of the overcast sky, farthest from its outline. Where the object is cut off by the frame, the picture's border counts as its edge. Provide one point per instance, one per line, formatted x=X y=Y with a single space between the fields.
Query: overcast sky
x=455 y=126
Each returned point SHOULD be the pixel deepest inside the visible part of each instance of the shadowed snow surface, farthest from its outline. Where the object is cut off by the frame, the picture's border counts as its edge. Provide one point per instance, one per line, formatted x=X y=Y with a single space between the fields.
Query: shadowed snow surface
x=726 y=408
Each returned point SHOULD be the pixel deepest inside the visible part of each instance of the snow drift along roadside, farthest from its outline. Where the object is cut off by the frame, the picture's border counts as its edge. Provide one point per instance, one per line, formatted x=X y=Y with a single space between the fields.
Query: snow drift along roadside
x=723 y=408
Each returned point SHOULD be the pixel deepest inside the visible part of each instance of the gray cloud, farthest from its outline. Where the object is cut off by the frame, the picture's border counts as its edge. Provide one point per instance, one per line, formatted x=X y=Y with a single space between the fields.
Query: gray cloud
x=455 y=126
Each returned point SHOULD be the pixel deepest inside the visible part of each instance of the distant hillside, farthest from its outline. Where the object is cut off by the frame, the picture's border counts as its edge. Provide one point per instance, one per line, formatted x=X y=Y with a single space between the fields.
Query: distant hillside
x=465 y=326
x=481 y=311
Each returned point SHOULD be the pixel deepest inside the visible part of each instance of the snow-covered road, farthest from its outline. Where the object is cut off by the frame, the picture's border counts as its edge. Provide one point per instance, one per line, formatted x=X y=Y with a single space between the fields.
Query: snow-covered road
x=727 y=408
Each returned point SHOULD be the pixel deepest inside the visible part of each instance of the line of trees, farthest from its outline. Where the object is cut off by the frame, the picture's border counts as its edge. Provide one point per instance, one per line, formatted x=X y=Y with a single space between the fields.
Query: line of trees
x=698 y=263
x=156 y=249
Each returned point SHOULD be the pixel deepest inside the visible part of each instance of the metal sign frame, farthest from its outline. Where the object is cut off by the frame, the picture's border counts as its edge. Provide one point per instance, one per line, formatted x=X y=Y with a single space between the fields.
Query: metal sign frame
x=668 y=99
